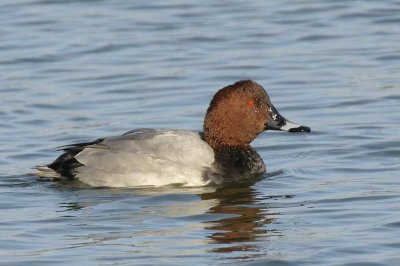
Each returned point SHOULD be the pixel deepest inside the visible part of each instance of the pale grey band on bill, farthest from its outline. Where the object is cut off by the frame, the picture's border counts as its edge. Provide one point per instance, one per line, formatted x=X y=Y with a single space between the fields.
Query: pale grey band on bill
x=292 y=127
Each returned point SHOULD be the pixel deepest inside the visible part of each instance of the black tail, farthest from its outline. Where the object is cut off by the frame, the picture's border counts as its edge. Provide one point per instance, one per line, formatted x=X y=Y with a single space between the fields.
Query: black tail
x=66 y=163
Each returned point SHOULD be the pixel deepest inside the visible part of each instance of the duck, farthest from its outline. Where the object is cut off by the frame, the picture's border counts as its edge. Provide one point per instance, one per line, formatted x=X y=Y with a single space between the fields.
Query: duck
x=219 y=155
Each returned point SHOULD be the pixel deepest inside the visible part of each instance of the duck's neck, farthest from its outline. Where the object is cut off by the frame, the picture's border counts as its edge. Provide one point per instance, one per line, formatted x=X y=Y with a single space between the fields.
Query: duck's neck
x=225 y=142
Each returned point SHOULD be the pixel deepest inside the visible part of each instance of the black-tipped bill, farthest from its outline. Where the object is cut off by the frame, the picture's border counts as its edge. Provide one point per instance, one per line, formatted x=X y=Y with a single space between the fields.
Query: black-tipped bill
x=277 y=122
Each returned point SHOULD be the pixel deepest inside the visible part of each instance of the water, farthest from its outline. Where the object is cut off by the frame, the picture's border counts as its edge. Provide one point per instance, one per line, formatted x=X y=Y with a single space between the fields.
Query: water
x=77 y=70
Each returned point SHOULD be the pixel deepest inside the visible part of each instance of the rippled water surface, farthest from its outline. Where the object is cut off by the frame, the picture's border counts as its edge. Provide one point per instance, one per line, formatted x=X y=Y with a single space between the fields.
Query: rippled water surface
x=77 y=70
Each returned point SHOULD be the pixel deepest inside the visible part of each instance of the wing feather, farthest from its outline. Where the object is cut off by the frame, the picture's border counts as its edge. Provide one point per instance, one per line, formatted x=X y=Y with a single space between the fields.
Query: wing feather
x=179 y=146
x=153 y=157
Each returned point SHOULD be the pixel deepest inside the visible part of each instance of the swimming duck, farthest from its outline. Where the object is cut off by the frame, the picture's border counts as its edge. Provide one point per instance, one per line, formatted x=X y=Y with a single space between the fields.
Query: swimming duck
x=220 y=154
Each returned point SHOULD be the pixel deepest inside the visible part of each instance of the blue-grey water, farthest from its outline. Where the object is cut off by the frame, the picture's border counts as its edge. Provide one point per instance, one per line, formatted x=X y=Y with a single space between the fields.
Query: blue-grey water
x=75 y=71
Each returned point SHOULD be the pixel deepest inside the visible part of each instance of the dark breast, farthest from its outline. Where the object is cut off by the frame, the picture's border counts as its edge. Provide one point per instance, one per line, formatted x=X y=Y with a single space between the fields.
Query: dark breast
x=235 y=165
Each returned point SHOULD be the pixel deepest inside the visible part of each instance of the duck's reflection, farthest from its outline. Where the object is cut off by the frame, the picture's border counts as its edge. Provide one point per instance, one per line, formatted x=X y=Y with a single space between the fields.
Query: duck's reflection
x=245 y=221
x=234 y=219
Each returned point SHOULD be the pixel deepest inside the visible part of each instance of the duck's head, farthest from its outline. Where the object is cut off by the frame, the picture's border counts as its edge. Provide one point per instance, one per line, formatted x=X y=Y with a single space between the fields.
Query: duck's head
x=239 y=112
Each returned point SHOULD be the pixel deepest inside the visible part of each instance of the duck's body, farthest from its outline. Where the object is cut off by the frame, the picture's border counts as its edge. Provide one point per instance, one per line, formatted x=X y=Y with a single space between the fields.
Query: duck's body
x=153 y=157
x=157 y=157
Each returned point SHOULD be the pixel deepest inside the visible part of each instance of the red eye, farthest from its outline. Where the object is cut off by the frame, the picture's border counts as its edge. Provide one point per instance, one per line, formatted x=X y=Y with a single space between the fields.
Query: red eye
x=250 y=102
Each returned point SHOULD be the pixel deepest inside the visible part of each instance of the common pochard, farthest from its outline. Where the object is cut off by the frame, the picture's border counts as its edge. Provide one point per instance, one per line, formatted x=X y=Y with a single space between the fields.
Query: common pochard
x=155 y=157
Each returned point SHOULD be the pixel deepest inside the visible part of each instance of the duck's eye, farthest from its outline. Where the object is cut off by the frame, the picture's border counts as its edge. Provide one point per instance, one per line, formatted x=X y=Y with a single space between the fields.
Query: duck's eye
x=250 y=103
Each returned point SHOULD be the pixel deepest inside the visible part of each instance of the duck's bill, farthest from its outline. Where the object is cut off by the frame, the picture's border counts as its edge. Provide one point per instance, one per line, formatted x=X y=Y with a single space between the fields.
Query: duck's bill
x=277 y=122
x=292 y=127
